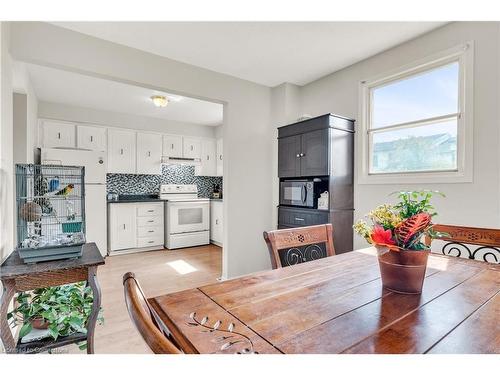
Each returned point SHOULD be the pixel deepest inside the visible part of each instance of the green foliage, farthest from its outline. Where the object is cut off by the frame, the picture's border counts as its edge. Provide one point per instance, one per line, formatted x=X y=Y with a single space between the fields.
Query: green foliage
x=415 y=202
x=66 y=308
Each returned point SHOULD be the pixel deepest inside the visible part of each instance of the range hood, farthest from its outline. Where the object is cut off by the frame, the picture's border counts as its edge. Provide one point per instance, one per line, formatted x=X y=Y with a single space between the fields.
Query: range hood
x=172 y=160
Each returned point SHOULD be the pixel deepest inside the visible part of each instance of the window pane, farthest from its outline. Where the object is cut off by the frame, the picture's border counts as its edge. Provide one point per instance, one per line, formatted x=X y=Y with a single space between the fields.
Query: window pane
x=431 y=147
x=431 y=94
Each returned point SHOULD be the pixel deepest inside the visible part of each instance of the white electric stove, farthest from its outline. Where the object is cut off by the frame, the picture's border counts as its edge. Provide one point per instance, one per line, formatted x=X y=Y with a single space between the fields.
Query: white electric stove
x=187 y=217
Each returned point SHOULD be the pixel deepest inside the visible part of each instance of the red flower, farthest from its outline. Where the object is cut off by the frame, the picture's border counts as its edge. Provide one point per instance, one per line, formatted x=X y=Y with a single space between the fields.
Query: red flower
x=380 y=236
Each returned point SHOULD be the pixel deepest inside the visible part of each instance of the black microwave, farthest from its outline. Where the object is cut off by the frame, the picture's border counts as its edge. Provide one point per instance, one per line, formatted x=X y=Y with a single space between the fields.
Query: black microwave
x=302 y=193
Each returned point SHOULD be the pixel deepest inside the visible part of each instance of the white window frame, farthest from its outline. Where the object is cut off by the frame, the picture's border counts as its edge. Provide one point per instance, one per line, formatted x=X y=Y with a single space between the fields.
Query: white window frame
x=464 y=55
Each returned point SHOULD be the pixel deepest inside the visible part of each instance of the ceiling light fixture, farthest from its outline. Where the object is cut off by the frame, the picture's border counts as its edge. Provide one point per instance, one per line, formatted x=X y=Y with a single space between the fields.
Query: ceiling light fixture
x=159 y=100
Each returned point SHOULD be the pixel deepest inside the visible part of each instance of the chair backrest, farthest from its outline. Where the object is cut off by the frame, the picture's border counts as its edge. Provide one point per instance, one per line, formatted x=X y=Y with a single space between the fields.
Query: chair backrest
x=298 y=245
x=458 y=237
x=144 y=319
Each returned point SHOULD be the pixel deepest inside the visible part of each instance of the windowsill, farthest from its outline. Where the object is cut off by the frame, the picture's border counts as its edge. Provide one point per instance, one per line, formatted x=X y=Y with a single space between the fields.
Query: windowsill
x=415 y=178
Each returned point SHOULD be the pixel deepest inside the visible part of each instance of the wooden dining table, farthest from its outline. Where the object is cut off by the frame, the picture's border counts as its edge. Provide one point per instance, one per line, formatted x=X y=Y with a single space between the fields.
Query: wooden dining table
x=338 y=305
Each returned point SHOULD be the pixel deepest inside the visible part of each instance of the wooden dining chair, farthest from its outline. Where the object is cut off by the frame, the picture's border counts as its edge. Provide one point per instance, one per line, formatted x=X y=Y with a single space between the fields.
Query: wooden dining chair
x=156 y=335
x=458 y=240
x=298 y=245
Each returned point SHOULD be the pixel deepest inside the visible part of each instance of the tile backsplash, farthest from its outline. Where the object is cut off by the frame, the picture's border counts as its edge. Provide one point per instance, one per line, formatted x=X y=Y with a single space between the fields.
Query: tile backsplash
x=150 y=184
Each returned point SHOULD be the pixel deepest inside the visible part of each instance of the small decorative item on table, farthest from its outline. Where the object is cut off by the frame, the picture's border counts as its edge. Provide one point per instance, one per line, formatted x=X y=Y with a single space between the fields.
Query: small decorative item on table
x=323 y=201
x=397 y=232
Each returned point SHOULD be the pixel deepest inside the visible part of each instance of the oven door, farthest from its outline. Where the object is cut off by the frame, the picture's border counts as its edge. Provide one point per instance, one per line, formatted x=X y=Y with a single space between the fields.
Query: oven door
x=186 y=217
x=297 y=193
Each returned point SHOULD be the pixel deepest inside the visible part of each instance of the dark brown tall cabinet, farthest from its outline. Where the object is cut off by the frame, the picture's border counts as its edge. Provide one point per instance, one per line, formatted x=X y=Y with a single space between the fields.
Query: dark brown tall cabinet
x=320 y=148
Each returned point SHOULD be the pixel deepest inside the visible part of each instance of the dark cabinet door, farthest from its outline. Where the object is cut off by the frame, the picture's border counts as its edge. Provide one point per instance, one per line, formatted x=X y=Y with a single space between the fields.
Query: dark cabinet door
x=298 y=217
x=289 y=156
x=314 y=160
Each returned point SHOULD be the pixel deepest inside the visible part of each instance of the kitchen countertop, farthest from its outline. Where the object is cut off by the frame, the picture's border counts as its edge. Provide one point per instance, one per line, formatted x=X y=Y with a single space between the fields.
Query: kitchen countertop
x=147 y=199
x=136 y=200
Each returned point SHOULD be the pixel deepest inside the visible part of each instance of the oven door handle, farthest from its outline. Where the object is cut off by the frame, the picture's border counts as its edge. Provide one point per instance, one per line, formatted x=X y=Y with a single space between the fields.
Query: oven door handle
x=303 y=194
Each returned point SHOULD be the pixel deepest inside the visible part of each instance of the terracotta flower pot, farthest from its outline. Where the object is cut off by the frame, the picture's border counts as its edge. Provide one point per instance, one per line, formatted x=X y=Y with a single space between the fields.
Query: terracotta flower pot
x=40 y=323
x=402 y=271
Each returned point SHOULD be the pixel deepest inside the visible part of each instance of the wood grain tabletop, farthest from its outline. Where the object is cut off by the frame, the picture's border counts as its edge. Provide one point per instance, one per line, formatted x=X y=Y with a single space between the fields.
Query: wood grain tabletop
x=338 y=305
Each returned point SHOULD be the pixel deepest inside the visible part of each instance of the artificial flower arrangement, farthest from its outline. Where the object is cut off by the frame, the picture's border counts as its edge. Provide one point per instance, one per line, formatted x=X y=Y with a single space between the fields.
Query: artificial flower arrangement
x=397 y=232
x=403 y=225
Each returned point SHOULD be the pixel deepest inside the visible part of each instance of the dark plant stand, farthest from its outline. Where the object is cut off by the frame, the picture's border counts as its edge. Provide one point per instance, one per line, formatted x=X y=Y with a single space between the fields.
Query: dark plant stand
x=17 y=276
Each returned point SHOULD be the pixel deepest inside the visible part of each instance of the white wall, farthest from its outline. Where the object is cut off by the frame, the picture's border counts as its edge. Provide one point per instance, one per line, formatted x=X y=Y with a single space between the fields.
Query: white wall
x=20 y=127
x=25 y=139
x=246 y=131
x=218 y=131
x=285 y=109
x=67 y=112
x=6 y=146
x=475 y=203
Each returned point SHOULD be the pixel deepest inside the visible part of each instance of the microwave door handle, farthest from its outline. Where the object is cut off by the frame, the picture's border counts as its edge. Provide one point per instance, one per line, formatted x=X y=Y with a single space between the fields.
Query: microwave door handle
x=303 y=194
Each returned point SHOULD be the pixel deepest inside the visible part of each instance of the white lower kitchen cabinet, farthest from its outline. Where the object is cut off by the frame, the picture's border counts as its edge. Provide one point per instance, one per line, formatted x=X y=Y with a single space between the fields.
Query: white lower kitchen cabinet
x=135 y=227
x=122 y=226
x=216 y=222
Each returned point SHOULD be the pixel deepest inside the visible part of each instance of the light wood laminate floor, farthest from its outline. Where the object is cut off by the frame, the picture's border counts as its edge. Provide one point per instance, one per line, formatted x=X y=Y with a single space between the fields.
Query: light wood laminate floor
x=159 y=272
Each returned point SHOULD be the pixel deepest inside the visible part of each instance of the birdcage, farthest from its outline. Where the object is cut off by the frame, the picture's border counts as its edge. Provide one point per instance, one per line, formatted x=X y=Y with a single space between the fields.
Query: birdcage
x=50 y=211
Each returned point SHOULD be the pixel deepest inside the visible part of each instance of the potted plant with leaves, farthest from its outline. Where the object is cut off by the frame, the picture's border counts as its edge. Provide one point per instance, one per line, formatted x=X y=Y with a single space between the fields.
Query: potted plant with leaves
x=398 y=231
x=62 y=310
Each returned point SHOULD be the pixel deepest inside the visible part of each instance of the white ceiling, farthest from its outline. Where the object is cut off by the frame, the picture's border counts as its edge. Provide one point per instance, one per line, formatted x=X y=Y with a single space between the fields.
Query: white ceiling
x=58 y=86
x=268 y=53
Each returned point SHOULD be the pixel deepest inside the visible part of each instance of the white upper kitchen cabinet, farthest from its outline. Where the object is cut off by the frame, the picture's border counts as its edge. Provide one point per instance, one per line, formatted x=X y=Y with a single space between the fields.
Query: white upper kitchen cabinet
x=172 y=146
x=91 y=138
x=58 y=134
x=149 y=152
x=121 y=151
x=192 y=148
x=208 y=165
x=219 y=158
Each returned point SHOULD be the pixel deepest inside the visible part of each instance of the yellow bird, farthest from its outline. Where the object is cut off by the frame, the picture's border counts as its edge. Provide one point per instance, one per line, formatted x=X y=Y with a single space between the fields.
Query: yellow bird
x=66 y=190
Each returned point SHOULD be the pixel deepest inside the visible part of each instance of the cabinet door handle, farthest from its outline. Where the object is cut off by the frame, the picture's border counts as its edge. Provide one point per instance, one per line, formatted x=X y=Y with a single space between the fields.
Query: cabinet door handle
x=91 y=138
x=124 y=226
x=191 y=147
x=302 y=155
x=59 y=135
x=220 y=157
x=299 y=219
x=151 y=210
x=121 y=151
x=298 y=155
x=208 y=157
x=149 y=153
x=151 y=221
x=216 y=221
x=150 y=231
x=150 y=241
x=172 y=146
